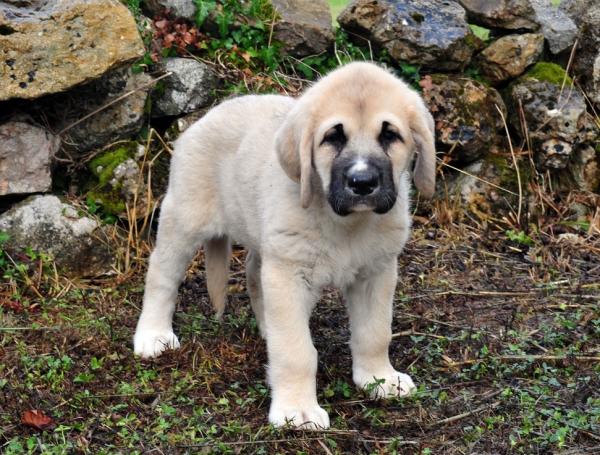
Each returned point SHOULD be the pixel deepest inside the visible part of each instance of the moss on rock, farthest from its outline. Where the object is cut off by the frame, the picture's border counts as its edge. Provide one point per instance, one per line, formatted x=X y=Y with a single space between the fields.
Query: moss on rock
x=101 y=189
x=549 y=72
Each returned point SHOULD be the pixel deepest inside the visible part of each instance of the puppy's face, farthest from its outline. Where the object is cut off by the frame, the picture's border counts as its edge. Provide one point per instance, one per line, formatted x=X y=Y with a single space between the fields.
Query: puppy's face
x=363 y=141
x=360 y=159
x=358 y=130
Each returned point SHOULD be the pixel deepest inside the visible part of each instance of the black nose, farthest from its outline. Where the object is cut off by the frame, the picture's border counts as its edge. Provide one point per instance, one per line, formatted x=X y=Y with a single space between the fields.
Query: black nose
x=363 y=183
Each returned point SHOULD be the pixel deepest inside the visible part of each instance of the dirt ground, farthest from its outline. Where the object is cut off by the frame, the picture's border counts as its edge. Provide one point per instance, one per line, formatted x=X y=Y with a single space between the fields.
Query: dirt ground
x=501 y=336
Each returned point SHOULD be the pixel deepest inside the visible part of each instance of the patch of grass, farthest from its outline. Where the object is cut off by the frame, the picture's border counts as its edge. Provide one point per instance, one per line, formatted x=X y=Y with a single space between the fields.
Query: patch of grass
x=336 y=8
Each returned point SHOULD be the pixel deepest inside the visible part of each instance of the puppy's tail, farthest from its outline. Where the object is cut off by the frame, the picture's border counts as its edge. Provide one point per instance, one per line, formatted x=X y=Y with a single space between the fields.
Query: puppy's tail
x=217 y=256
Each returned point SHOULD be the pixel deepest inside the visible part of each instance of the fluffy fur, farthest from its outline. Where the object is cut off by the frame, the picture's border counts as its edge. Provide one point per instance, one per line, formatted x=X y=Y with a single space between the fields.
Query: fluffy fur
x=317 y=190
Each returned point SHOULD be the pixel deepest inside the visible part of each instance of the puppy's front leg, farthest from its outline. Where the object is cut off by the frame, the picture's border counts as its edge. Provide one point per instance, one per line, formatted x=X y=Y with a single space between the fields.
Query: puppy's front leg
x=370 y=308
x=288 y=303
x=174 y=250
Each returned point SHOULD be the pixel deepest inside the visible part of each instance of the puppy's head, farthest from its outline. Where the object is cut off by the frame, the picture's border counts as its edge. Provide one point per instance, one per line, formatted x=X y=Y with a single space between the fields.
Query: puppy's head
x=358 y=129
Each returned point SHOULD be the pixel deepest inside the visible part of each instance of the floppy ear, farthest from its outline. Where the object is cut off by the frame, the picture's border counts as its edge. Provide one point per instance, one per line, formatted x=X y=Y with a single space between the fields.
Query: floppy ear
x=423 y=129
x=293 y=143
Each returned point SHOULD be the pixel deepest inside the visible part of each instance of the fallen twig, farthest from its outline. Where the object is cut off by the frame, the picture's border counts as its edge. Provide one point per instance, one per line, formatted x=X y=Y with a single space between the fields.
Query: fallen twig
x=412 y=332
x=465 y=414
x=526 y=357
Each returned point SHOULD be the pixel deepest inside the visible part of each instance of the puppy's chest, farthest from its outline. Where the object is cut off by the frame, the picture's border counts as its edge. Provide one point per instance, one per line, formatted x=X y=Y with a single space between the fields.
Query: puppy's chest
x=342 y=261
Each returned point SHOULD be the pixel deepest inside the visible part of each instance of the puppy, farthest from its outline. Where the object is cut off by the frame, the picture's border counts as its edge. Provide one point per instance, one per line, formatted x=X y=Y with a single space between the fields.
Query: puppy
x=317 y=190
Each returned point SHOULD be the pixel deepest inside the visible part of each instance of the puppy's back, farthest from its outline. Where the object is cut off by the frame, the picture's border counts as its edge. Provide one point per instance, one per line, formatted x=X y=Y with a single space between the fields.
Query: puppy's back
x=219 y=163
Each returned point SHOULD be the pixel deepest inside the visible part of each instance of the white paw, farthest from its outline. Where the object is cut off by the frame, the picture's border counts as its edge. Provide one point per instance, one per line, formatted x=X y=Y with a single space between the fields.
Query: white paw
x=387 y=384
x=151 y=343
x=312 y=418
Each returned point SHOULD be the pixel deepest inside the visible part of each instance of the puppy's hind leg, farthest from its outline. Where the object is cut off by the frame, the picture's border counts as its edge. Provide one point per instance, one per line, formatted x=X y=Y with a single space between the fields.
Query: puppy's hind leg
x=253 y=264
x=217 y=257
x=176 y=244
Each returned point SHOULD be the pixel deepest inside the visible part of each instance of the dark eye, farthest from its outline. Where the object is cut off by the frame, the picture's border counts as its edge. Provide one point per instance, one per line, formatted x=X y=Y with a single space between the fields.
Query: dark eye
x=388 y=135
x=335 y=137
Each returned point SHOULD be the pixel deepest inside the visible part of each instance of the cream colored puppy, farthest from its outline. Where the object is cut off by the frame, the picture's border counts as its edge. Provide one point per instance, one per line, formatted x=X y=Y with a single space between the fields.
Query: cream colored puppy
x=317 y=190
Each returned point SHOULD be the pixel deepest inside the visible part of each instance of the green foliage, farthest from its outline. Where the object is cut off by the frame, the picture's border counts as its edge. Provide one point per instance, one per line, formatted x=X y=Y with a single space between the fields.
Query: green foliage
x=138 y=67
x=373 y=386
x=244 y=39
x=133 y=5
x=4 y=237
x=520 y=237
x=481 y=32
x=342 y=388
x=204 y=9
x=473 y=72
x=410 y=73
x=585 y=225
x=346 y=52
x=15 y=266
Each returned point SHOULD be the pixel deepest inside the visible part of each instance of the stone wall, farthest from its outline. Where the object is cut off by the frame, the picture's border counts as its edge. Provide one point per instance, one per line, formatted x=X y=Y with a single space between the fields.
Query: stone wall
x=73 y=98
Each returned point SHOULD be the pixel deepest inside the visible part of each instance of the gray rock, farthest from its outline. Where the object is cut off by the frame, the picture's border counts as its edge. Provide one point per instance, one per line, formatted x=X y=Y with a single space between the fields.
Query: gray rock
x=557 y=123
x=60 y=44
x=509 y=56
x=481 y=180
x=78 y=244
x=187 y=89
x=576 y=9
x=305 y=26
x=132 y=189
x=488 y=187
x=506 y=14
x=555 y=153
x=583 y=169
x=559 y=31
x=177 y=8
x=581 y=172
x=466 y=118
x=26 y=158
x=121 y=120
x=429 y=33
x=586 y=64
x=534 y=15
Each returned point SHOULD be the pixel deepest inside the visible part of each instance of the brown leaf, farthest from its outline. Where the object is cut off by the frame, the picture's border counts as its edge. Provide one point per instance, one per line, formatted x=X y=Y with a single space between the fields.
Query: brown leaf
x=161 y=24
x=13 y=305
x=426 y=83
x=169 y=41
x=246 y=56
x=39 y=420
x=188 y=38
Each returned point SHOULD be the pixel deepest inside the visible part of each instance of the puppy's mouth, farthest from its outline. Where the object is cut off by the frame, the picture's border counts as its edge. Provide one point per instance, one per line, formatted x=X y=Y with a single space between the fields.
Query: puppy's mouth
x=360 y=186
x=344 y=205
x=363 y=206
